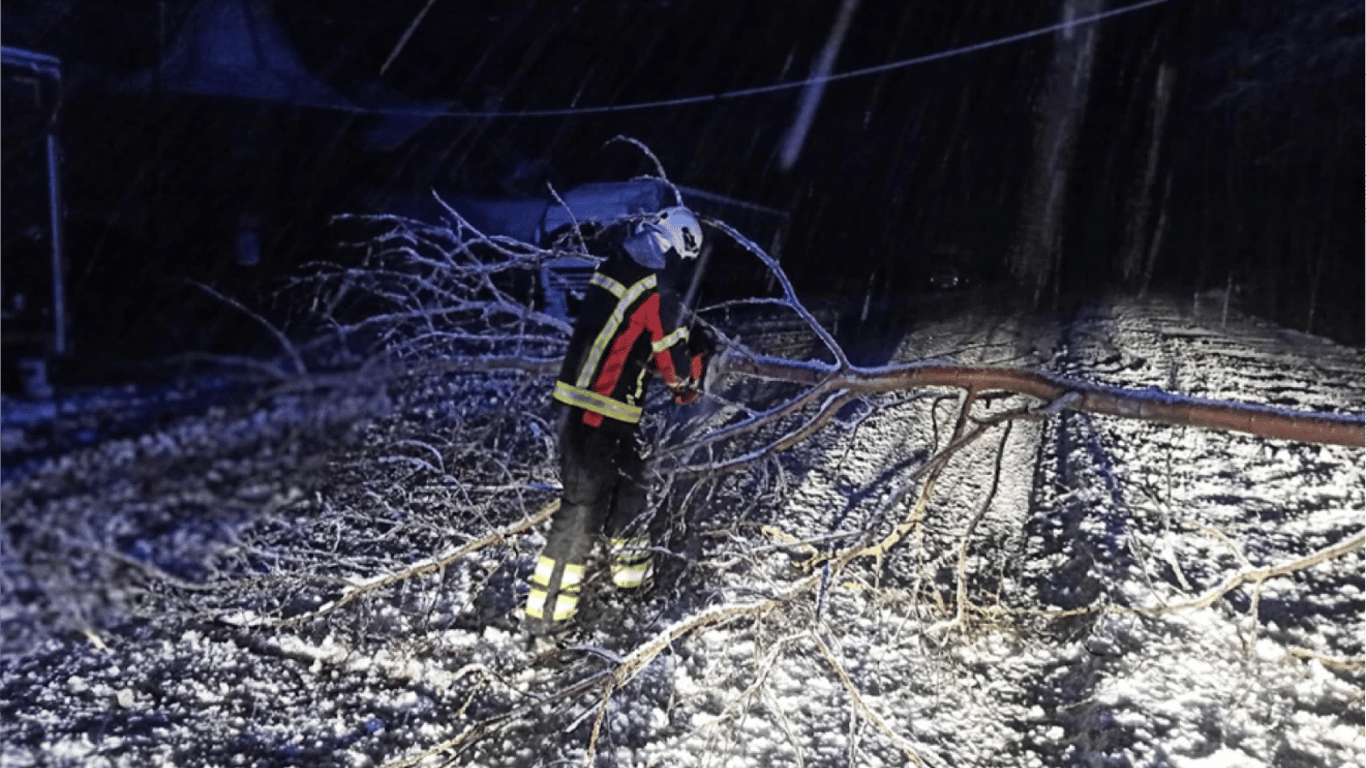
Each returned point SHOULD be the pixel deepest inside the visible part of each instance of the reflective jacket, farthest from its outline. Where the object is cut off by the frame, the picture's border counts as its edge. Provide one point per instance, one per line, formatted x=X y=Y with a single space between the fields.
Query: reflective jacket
x=624 y=332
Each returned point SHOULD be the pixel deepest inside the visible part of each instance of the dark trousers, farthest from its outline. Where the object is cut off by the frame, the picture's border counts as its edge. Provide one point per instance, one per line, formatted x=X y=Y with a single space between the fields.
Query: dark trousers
x=604 y=489
x=604 y=493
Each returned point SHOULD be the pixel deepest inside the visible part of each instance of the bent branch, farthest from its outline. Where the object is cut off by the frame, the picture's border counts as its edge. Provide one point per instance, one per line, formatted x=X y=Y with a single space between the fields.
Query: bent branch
x=1148 y=404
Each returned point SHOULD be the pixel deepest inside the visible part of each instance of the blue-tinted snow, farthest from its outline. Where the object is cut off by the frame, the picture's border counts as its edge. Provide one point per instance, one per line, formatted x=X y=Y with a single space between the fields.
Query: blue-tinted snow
x=1117 y=519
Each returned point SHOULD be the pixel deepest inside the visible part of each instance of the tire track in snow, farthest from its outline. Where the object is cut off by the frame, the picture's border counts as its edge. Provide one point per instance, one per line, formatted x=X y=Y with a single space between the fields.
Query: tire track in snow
x=1077 y=518
x=1126 y=533
x=1077 y=553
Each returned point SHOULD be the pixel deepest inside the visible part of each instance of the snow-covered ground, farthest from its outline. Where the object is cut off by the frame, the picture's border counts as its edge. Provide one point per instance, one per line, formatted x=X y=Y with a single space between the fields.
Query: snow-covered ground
x=180 y=596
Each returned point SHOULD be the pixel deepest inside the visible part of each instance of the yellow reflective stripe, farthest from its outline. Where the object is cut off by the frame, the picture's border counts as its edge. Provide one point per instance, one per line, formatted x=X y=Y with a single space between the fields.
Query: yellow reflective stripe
x=565 y=607
x=631 y=561
x=535 y=603
x=566 y=602
x=668 y=341
x=631 y=576
x=609 y=329
x=592 y=401
x=544 y=567
x=634 y=541
x=612 y=286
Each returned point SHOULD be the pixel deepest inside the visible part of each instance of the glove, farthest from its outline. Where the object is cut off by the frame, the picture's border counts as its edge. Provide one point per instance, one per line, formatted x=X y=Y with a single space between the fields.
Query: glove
x=687 y=391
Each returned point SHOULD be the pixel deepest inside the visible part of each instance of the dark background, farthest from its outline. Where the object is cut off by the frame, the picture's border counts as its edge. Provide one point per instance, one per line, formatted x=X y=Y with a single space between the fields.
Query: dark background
x=903 y=172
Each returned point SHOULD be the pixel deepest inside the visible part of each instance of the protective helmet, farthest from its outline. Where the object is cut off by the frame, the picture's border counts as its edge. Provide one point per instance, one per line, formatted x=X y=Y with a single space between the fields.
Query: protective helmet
x=676 y=228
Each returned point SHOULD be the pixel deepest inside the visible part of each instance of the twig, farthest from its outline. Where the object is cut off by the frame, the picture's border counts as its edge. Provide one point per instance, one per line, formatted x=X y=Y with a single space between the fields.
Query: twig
x=841 y=359
x=933 y=468
x=1341 y=663
x=418 y=569
x=573 y=220
x=819 y=420
x=762 y=670
x=489 y=724
x=659 y=167
x=907 y=749
x=597 y=724
x=284 y=341
x=1258 y=575
x=961 y=575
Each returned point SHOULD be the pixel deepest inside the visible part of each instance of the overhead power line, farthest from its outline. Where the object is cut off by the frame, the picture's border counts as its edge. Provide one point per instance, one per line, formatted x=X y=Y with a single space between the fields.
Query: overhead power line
x=759 y=90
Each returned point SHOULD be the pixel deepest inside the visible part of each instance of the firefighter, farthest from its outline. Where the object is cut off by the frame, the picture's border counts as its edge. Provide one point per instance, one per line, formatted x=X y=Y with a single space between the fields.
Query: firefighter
x=628 y=328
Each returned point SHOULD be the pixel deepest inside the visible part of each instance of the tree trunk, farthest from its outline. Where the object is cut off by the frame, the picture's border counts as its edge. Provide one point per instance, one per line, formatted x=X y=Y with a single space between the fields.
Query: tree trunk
x=1315 y=274
x=1139 y=230
x=1063 y=103
x=1156 y=244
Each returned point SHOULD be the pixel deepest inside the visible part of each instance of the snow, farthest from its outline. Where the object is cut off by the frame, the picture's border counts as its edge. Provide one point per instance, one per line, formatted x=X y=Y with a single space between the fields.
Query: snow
x=189 y=549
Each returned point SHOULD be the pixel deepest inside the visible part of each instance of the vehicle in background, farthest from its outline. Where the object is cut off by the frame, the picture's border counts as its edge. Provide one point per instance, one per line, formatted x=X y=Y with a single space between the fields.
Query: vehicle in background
x=587 y=210
x=34 y=324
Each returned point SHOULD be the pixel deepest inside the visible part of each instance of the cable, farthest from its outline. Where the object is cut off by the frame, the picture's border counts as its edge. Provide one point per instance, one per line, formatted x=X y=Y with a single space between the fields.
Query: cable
x=765 y=89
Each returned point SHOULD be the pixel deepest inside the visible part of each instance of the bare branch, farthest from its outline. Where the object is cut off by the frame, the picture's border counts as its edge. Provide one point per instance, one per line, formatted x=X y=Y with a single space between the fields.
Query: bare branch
x=1259 y=575
x=841 y=359
x=285 y=344
x=909 y=750
x=659 y=167
x=1149 y=405
x=422 y=568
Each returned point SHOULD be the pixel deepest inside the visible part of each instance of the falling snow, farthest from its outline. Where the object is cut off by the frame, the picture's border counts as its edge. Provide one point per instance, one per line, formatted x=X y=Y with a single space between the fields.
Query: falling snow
x=1087 y=512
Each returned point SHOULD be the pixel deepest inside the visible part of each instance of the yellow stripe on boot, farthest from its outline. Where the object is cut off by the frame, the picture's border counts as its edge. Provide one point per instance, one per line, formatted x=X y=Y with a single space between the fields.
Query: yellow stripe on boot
x=630 y=576
x=632 y=563
x=566 y=602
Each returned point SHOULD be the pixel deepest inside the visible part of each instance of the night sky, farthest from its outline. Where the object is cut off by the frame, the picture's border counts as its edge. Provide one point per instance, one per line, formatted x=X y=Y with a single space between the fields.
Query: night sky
x=1259 y=168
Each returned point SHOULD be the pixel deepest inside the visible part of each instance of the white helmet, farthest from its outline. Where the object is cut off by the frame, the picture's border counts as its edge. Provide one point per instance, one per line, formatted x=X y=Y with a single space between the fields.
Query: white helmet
x=676 y=228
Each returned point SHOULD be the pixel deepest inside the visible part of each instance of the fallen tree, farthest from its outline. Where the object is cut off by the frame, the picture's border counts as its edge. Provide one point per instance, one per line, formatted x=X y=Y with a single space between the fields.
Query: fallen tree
x=1062 y=393
x=746 y=439
x=388 y=562
x=454 y=299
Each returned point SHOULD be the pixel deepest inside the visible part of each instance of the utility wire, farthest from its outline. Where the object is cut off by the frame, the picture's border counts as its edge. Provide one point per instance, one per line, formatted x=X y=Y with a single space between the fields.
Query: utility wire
x=763 y=89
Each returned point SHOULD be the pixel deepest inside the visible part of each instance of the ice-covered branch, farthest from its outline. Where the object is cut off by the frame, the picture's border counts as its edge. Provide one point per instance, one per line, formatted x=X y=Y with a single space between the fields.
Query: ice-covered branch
x=360 y=587
x=790 y=294
x=423 y=292
x=1259 y=575
x=1076 y=395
